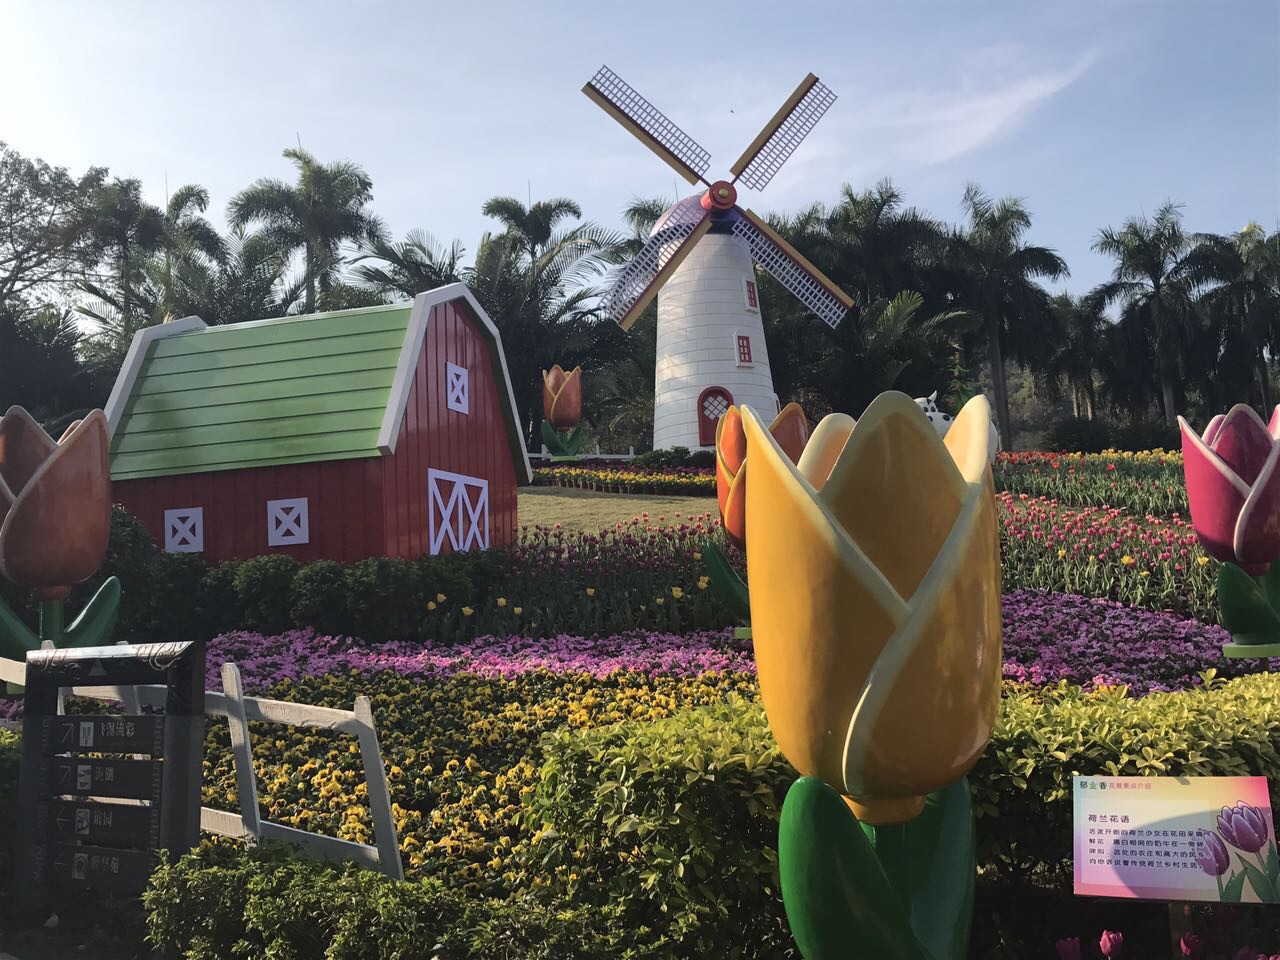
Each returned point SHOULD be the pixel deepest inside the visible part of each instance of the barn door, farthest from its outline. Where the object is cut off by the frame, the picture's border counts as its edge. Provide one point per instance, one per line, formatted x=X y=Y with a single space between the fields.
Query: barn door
x=459 y=508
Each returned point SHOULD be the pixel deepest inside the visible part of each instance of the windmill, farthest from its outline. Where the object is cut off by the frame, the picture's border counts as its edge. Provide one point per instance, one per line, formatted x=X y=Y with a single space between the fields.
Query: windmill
x=699 y=261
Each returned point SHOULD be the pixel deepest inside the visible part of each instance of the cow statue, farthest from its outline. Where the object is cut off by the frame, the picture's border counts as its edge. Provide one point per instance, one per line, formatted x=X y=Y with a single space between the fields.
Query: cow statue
x=942 y=421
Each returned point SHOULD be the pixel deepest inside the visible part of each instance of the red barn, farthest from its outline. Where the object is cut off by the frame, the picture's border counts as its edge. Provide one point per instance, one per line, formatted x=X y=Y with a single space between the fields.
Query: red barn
x=382 y=431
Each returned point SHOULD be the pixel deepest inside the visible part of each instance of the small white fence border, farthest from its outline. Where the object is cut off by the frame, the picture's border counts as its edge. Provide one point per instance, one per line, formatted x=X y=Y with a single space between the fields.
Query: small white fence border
x=383 y=856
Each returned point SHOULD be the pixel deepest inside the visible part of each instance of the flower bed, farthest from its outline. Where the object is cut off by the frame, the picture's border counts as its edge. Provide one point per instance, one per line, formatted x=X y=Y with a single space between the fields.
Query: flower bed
x=684 y=481
x=1141 y=483
x=1147 y=562
x=1052 y=637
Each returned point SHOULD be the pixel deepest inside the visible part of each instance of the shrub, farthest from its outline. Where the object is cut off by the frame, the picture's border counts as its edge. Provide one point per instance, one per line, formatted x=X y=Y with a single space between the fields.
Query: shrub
x=10 y=761
x=219 y=601
x=215 y=903
x=388 y=595
x=1078 y=435
x=168 y=607
x=1149 y=435
x=262 y=591
x=678 y=818
x=673 y=822
x=320 y=598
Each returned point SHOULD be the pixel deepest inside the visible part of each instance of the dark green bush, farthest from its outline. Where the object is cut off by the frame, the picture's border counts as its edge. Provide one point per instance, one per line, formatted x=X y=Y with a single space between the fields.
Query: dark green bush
x=219 y=602
x=320 y=598
x=1152 y=435
x=223 y=902
x=1078 y=435
x=168 y=605
x=10 y=761
x=388 y=595
x=675 y=457
x=674 y=823
x=262 y=587
x=678 y=819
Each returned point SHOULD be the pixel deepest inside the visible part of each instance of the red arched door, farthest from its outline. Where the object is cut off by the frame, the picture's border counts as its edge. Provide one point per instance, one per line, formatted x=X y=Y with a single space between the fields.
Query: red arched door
x=712 y=403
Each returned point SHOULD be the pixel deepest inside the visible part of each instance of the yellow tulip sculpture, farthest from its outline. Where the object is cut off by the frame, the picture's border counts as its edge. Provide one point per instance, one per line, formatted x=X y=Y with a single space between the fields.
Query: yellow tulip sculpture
x=875 y=610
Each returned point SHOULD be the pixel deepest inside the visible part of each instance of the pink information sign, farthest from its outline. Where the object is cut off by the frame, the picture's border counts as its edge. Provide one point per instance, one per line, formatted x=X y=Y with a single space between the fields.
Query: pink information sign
x=1176 y=838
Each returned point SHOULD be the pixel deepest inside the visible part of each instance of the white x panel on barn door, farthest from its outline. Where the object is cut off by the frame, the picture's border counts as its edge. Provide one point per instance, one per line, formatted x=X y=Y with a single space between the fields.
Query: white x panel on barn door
x=462 y=505
x=456 y=388
x=287 y=522
x=184 y=530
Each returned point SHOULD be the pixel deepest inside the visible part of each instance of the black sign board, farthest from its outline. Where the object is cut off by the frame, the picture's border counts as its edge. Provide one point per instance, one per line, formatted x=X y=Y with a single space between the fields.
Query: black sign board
x=150 y=765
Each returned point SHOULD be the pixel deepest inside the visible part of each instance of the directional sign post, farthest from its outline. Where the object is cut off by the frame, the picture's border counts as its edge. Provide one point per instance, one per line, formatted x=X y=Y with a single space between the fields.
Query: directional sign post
x=94 y=813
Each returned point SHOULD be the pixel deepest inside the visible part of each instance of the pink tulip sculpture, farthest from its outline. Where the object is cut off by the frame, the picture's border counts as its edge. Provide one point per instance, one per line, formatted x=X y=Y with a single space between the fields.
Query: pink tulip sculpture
x=1232 y=473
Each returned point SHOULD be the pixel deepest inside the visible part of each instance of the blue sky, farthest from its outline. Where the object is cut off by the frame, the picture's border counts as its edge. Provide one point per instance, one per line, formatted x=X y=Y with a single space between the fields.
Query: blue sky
x=1090 y=110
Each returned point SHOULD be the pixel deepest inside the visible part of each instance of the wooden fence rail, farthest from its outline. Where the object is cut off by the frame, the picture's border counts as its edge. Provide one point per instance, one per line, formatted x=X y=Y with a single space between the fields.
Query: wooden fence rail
x=240 y=710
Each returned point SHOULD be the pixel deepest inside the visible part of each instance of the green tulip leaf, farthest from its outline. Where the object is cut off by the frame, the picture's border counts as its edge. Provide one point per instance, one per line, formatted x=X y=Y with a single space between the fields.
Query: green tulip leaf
x=1263 y=887
x=98 y=618
x=904 y=891
x=725 y=582
x=1273 y=865
x=16 y=638
x=1246 y=614
x=562 y=446
x=1233 y=890
x=1270 y=583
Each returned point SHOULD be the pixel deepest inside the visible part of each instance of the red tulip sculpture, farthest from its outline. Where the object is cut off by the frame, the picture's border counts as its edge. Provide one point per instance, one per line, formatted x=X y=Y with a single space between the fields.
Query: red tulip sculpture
x=55 y=517
x=562 y=409
x=1232 y=473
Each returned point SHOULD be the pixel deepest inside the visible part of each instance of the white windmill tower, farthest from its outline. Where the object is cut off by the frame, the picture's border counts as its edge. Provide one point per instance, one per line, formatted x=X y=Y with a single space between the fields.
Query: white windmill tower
x=711 y=350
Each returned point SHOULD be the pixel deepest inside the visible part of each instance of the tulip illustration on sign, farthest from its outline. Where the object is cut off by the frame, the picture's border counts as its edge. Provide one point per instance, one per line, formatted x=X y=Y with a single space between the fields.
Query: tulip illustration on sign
x=791 y=429
x=875 y=609
x=55 y=518
x=1245 y=831
x=1232 y=475
x=562 y=408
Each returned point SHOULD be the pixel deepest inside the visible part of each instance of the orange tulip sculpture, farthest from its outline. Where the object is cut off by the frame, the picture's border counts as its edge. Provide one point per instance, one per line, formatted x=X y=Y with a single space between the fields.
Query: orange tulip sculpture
x=562 y=410
x=55 y=518
x=875 y=611
x=791 y=429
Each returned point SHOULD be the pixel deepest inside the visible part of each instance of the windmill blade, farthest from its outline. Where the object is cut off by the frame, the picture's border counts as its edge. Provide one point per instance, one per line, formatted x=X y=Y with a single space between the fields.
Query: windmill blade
x=648 y=124
x=789 y=267
x=781 y=135
x=652 y=267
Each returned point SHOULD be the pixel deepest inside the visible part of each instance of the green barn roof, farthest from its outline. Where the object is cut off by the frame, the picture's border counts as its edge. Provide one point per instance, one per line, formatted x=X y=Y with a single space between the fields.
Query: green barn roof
x=326 y=386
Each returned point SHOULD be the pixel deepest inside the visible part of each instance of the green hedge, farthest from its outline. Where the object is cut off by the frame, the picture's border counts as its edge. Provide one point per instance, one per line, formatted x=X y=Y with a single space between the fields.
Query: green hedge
x=219 y=903
x=10 y=761
x=677 y=819
x=553 y=582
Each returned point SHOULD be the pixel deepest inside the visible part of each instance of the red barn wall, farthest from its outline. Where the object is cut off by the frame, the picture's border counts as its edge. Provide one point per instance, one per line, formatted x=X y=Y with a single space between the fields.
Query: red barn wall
x=344 y=506
x=475 y=443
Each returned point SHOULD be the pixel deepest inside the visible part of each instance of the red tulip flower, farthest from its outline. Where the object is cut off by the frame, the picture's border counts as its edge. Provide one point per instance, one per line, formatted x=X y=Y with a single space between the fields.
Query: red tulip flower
x=562 y=397
x=790 y=428
x=1233 y=486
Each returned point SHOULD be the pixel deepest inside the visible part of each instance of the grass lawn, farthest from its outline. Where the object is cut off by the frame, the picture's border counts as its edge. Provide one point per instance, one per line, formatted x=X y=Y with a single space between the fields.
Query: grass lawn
x=588 y=510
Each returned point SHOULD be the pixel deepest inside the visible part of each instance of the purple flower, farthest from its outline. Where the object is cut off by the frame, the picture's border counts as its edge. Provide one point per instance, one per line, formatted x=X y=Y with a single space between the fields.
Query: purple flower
x=1191 y=944
x=1243 y=827
x=1069 y=949
x=1248 y=953
x=1111 y=943
x=1212 y=855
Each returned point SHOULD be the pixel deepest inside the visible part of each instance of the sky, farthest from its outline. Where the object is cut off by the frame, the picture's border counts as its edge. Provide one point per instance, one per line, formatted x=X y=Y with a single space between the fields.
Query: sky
x=1092 y=111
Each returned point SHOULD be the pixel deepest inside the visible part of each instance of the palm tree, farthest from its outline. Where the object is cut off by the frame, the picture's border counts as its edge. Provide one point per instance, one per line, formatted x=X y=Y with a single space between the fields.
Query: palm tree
x=1243 y=299
x=1078 y=350
x=1154 y=282
x=994 y=273
x=129 y=229
x=187 y=233
x=327 y=207
x=248 y=283
x=877 y=246
x=416 y=264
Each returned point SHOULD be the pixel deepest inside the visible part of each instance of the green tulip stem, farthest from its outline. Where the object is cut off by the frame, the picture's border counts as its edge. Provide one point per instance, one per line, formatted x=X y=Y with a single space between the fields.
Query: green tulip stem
x=52 y=622
x=894 y=855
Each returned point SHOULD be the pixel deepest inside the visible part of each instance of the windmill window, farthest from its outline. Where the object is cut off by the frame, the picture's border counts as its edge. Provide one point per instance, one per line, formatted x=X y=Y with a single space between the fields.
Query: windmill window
x=712 y=404
x=751 y=297
x=743 y=345
x=456 y=393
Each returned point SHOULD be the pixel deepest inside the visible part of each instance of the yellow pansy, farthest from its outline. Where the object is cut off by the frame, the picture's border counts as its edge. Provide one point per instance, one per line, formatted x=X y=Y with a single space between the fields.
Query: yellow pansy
x=431 y=604
x=875 y=600
x=677 y=592
x=441 y=598
x=502 y=601
x=517 y=610
x=591 y=591
x=467 y=611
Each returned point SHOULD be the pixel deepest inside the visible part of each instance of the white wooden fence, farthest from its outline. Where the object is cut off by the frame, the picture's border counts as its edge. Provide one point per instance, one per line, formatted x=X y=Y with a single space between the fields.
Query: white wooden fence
x=231 y=703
